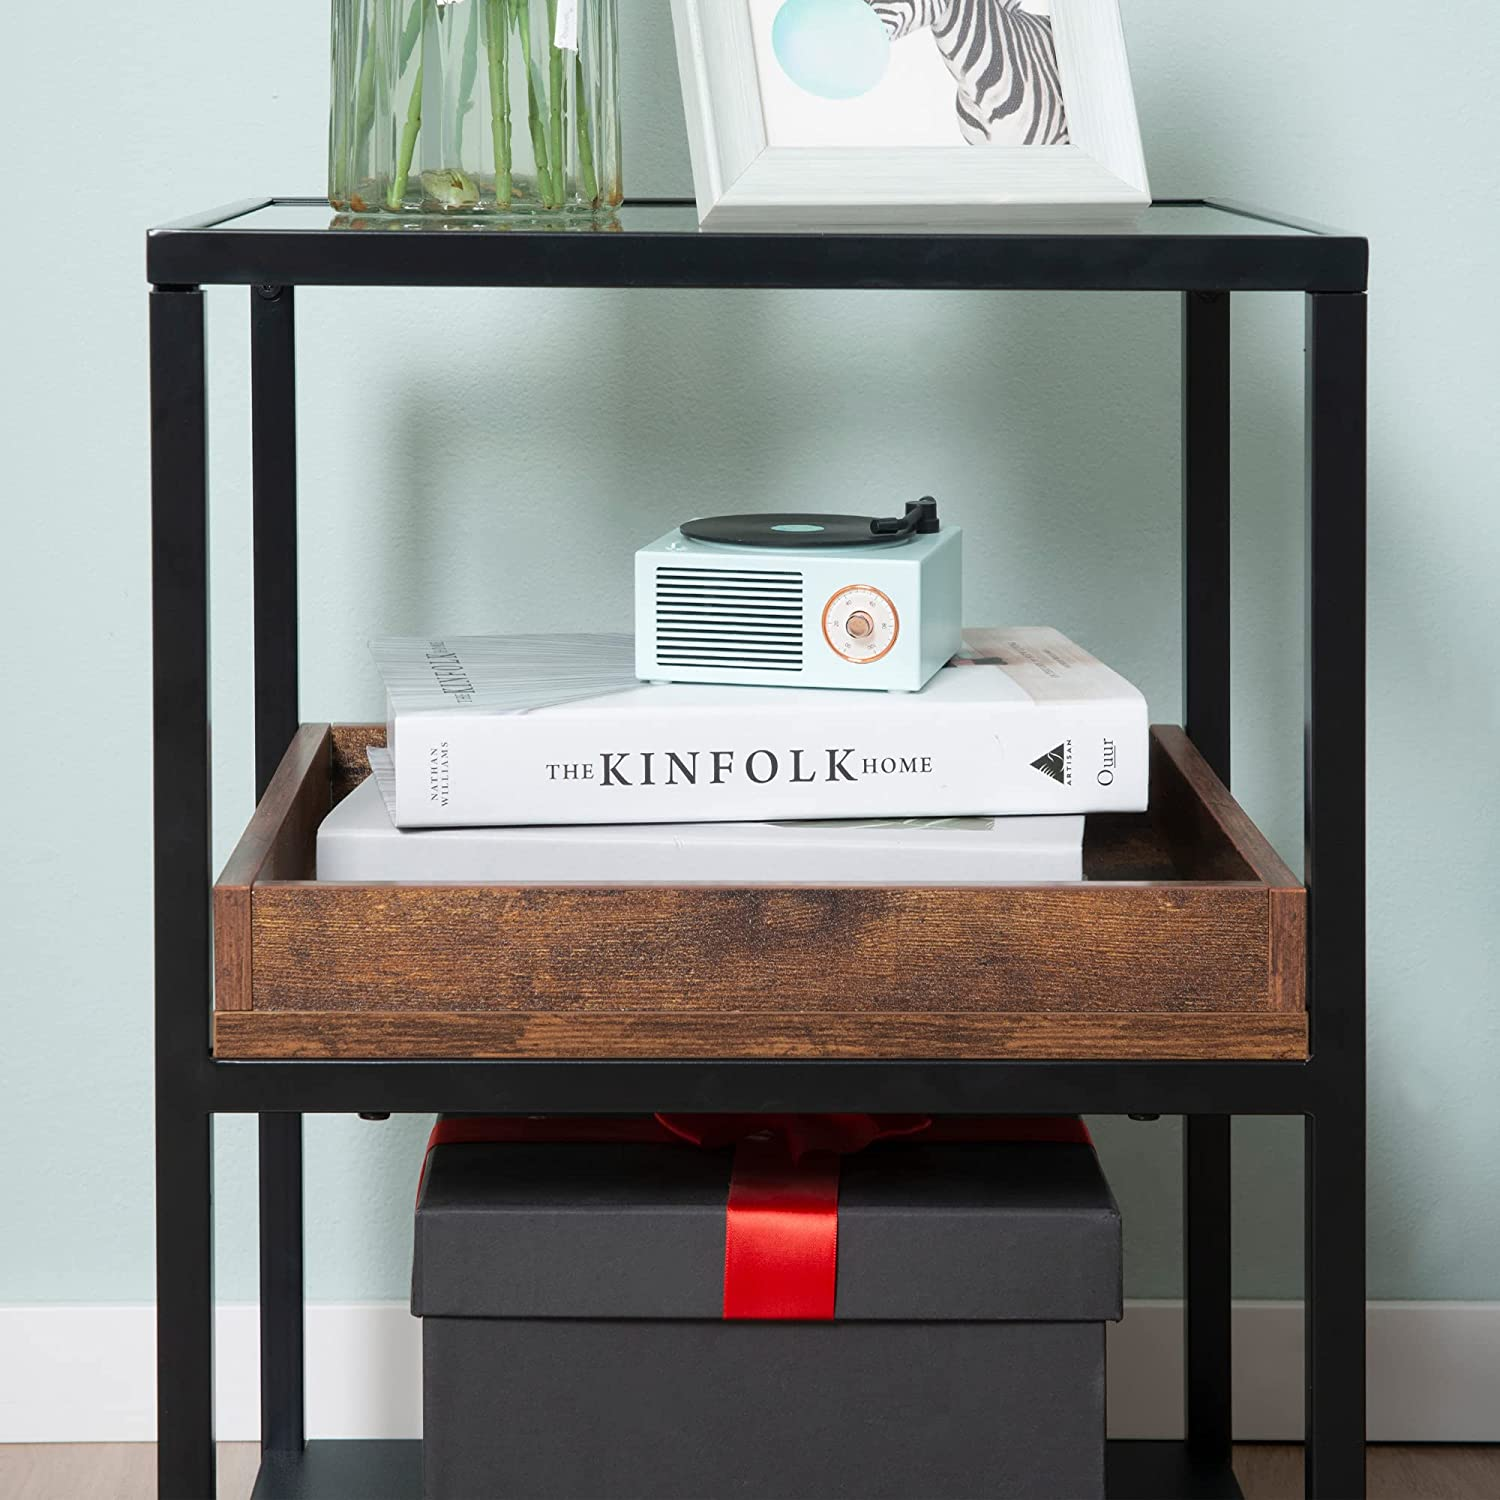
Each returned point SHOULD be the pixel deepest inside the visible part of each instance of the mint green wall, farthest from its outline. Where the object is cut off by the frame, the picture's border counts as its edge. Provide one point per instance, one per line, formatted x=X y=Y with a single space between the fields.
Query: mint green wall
x=1049 y=425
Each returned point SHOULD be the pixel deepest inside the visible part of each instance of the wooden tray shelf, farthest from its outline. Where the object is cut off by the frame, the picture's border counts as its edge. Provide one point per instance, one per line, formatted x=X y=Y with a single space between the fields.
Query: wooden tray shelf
x=1185 y=940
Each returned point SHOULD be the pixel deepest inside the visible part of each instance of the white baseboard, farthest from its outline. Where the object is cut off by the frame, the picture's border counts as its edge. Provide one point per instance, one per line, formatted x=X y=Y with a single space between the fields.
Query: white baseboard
x=1433 y=1373
x=88 y=1374
x=85 y=1374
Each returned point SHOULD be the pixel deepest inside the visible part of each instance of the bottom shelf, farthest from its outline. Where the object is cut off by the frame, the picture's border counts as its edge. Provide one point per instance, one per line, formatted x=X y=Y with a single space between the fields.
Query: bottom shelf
x=393 y=1471
x=330 y=1470
x=1163 y=1471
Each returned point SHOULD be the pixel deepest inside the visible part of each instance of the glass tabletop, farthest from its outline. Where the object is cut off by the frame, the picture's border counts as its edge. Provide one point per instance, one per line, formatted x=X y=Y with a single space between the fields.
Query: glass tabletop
x=1186 y=220
x=1181 y=246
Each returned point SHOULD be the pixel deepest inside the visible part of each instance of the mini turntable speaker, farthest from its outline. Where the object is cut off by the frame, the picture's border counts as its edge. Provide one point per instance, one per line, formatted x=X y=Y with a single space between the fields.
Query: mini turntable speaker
x=801 y=601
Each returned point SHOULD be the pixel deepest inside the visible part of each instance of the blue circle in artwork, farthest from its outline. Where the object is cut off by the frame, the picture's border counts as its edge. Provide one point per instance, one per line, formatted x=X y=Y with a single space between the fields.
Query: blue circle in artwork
x=836 y=49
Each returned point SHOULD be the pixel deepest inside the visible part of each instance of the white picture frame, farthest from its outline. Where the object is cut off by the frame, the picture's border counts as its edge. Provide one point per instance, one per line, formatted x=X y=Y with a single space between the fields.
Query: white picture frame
x=742 y=181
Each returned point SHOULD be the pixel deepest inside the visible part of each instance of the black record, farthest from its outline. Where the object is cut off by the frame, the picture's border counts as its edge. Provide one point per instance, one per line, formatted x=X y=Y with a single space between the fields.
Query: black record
x=787 y=529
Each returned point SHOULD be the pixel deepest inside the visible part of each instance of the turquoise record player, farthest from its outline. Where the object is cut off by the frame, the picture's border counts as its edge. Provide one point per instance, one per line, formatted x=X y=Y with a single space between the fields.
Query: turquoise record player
x=801 y=600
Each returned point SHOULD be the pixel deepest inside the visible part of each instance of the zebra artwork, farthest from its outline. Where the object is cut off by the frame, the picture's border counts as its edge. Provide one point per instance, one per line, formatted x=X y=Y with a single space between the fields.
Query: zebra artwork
x=1004 y=61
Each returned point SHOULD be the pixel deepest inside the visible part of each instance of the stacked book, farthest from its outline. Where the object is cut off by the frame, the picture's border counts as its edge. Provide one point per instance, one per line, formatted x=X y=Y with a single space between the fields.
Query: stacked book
x=541 y=760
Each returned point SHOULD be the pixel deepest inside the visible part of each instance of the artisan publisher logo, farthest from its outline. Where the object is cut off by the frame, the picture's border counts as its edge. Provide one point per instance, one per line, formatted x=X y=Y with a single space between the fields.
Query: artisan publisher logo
x=1057 y=763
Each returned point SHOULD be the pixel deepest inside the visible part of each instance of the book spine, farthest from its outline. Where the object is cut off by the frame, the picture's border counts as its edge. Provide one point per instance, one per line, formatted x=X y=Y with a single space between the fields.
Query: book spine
x=645 y=767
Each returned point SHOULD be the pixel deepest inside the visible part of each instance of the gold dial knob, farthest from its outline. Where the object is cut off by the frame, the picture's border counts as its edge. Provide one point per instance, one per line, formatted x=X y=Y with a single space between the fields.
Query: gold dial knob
x=860 y=623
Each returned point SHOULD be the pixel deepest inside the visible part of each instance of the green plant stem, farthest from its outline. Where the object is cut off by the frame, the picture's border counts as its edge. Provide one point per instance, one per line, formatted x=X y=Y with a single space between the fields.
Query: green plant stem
x=499 y=40
x=410 y=37
x=338 y=137
x=585 y=126
x=536 y=91
x=364 y=113
x=559 y=153
x=409 y=132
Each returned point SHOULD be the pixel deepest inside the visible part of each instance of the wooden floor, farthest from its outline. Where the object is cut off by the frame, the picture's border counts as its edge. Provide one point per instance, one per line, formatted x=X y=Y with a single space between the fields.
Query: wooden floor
x=127 y=1471
x=1268 y=1472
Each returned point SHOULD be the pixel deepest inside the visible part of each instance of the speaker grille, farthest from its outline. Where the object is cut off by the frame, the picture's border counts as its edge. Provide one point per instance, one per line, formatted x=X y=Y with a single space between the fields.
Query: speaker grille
x=718 y=617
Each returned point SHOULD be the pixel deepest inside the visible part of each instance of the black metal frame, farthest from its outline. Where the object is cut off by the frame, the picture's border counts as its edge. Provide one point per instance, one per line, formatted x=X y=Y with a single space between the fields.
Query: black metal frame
x=1328 y=1091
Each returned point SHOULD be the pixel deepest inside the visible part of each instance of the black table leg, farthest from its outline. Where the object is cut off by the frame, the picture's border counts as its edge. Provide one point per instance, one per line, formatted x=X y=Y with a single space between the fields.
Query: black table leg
x=282 y=1396
x=274 y=453
x=1335 y=873
x=184 y=959
x=1205 y=524
x=1206 y=661
x=1207 y=1303
x=273 y=447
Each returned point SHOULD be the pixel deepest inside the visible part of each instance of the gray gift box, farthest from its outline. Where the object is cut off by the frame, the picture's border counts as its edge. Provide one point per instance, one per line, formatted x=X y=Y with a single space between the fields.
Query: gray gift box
x=573 y=1342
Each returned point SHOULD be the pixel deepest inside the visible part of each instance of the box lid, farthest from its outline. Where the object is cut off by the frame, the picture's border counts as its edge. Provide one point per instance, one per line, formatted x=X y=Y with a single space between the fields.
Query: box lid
x=980 y=1232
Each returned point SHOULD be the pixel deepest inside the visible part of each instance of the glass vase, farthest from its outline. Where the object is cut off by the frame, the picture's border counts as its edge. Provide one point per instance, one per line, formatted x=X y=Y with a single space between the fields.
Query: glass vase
x=474 y=107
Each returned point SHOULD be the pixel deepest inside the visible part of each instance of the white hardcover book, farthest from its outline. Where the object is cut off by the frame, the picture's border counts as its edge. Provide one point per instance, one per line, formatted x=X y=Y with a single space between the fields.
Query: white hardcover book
x=1024 y=724
x=359 y=842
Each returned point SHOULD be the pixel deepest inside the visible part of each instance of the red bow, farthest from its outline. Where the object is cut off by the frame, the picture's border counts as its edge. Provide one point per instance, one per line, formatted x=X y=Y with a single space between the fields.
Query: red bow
x=781 y=1220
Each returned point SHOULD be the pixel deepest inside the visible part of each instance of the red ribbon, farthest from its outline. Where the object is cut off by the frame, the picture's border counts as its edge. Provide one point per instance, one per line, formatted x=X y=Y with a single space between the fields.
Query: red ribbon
x=782 y=1217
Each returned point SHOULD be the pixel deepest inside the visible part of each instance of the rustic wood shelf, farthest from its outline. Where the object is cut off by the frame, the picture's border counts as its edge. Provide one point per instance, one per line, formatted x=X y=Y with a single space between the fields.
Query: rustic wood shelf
x=1185 y=940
